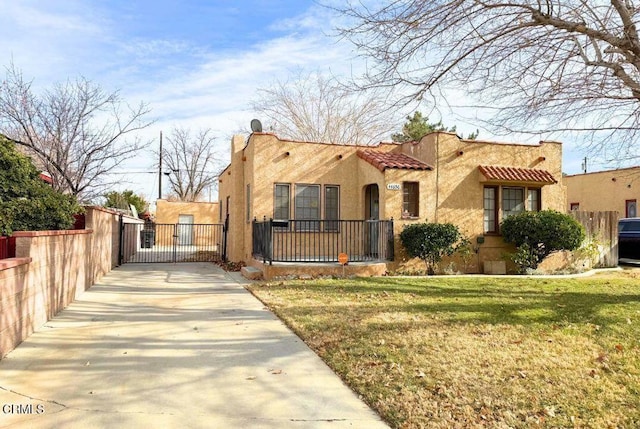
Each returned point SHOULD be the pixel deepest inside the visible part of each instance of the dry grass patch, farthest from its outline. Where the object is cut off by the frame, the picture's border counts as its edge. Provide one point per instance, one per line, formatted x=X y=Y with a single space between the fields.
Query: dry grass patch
x=477 y=352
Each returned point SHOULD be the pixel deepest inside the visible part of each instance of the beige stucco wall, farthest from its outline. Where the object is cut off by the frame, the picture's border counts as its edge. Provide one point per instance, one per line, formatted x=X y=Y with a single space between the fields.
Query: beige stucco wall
x=455 y=192
x=231 y=195
x=50 y=270
x=168 y=212
x=605 y=190
x=452 y=192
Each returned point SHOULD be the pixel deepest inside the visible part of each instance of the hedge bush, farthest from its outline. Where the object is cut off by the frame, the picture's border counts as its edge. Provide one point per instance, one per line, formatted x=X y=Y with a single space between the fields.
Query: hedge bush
x=539 y=233
x=430 y=242
x=27 y=203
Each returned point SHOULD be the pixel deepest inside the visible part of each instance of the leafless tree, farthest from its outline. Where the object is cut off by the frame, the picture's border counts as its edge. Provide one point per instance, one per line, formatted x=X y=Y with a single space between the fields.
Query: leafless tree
x=192 y=163
x=312 y=107
x=76 y=131
x=543 y=65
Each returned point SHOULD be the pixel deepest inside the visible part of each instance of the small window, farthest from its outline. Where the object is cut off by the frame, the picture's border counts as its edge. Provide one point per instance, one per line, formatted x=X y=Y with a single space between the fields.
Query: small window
x=307 y=206
x=331 y=207
x=248 y=203
x=281 y=201
x=512 y=201
x=630 y=208
x=574 y=206
x=533 y=199
x=410 y=199
x=490 y=209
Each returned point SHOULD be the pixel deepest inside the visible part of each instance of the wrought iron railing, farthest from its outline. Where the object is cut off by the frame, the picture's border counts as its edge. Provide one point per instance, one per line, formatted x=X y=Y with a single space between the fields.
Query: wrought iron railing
x=296 y=240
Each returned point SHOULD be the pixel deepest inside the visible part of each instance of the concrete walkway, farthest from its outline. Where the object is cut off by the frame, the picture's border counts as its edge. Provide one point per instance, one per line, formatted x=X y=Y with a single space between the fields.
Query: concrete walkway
x=172 y=346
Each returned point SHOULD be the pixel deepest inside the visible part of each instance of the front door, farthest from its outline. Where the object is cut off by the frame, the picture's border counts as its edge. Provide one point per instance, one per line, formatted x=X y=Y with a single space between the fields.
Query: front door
x=372 y=216
x=185 y=230
x=372 y=202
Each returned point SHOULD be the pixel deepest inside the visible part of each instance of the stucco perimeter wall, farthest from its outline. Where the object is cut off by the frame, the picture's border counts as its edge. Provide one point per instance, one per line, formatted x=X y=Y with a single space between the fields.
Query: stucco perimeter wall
x=50 y=270
x=605 y=190
x=168 y=212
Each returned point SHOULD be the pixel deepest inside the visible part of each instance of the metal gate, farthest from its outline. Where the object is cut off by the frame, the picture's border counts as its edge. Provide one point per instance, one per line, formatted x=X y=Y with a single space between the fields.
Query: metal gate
x=180 y=242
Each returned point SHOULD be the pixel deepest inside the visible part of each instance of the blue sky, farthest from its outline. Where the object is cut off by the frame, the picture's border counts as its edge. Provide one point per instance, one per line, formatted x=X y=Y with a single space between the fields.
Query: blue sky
x=196 y=63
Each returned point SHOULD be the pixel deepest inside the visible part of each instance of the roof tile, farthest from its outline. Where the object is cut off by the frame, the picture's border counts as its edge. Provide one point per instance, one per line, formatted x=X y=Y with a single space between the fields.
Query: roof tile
x=516 y=174
x=383 y=160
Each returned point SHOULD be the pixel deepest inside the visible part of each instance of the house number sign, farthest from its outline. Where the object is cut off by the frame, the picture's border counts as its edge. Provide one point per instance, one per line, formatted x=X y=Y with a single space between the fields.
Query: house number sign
x=393 y=186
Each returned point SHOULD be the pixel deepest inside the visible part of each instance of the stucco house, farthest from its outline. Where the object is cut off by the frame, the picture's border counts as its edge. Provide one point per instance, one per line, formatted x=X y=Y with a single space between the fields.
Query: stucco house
x=326 y=199
x=612 y=190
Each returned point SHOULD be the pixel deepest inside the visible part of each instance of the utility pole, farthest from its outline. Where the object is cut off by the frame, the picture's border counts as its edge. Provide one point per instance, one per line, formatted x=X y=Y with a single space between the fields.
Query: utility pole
x=160 y=170
x=584 y=165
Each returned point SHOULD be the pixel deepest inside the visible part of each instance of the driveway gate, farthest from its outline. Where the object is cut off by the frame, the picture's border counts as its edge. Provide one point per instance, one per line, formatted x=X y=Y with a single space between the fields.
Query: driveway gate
x=180 y=242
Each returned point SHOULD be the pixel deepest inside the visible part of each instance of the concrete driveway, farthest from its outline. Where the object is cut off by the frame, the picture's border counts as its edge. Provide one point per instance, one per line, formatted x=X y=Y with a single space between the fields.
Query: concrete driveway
x=172 y=346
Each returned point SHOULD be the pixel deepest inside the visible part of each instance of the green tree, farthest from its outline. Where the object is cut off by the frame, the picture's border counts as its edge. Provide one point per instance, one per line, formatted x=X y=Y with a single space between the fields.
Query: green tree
x=537 y=234
x=431 y=241
x=418 y=126
x=122 y=200
x=27 y=203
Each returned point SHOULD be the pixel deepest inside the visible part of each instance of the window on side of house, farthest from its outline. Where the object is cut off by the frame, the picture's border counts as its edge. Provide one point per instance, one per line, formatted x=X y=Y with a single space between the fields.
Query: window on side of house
x=307 y=207
x=574 y=206
x=220 y=208
x=512 y=201
x=331 y=207
x=410 y=199
x=533 y=200
x=630 y=208
x=248 y=214
x=281 y=201
x=491 y=209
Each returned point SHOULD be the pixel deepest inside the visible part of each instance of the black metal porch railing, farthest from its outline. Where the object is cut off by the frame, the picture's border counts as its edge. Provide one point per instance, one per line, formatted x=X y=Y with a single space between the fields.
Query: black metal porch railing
x=322 y=240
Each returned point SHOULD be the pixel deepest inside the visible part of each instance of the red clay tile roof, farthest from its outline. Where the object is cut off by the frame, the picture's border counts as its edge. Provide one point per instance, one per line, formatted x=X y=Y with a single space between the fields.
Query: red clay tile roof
x=515 y=174
x=383 y=160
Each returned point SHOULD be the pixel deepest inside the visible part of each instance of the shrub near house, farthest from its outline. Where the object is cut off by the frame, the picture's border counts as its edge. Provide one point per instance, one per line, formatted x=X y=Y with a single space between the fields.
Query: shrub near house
x=431 y=241
x=26 y=202
x=537 y=234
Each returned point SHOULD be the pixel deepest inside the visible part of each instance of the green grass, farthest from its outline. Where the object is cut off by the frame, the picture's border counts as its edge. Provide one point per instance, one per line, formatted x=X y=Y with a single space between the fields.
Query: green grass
x=477 y=352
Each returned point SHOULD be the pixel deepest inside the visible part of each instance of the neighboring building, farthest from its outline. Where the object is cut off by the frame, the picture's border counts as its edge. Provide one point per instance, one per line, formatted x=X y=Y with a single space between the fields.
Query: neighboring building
x=187 y=212
x=192 y=220
x=311 y=188
x=613 y=190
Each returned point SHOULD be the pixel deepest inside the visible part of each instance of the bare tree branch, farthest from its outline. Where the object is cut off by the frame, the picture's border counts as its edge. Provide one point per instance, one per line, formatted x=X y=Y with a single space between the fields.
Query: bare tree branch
x=311 y=107
x=76 y=131
x=193 y=164
x=553 y=65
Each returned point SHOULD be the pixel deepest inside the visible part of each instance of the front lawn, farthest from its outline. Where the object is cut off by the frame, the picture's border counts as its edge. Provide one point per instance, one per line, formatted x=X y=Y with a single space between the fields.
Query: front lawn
x=465 y=352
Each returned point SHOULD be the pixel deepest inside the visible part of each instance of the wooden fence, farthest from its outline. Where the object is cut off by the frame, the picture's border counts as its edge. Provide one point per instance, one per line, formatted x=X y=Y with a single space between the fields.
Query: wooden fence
x=602 y=229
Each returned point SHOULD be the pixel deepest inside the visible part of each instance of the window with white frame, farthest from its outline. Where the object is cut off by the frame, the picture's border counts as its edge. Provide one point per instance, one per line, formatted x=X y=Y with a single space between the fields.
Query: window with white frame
x=307 y=207
x=533 y=199
x=512 y=201
x=281 y=201
x=509 y=200
x=331 y=207
x=248 y=206
x=491 y=209
x=410 y=199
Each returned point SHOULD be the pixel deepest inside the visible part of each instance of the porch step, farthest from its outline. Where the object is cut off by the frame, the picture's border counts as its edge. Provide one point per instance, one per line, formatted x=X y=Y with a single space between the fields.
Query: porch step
x=251 y=273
